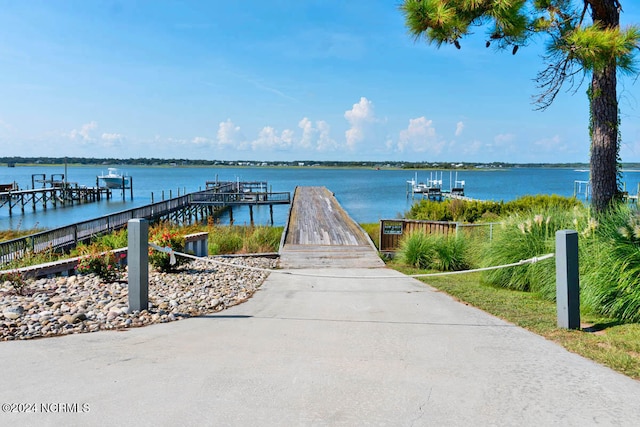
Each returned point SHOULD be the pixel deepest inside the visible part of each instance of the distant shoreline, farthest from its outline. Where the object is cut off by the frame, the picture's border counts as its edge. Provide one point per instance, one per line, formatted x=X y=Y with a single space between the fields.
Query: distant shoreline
x=192 y=163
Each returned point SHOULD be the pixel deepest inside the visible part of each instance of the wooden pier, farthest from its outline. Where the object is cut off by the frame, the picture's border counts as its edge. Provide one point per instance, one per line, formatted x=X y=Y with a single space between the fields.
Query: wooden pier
x=50 y=197
x=230 y=194
x=319 y=233
x=182 y=209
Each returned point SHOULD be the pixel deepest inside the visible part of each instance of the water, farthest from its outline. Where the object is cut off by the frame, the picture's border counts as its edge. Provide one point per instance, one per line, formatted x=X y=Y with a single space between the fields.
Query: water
x=368 y=195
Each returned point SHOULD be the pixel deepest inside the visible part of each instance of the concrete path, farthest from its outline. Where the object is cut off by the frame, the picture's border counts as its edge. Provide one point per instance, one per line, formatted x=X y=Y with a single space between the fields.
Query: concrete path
x=329 y=346
x=313 y=351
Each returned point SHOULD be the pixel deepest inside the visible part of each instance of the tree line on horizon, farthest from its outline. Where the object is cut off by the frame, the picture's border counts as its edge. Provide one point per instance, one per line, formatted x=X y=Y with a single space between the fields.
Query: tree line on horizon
x=144 y=161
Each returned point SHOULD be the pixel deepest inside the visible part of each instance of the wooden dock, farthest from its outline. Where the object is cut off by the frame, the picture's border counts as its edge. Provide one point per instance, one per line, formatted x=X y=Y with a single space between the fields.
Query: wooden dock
x=51 y=197
x=320 y=233
x=182 y=209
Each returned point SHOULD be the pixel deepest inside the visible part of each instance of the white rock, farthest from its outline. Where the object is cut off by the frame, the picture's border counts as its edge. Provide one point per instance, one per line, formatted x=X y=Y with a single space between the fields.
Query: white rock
x=13 y=312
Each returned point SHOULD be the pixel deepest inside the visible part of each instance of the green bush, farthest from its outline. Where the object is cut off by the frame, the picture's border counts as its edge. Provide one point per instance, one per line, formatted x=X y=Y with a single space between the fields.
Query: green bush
x=164 y=236
x=415 y=250
x=225 y=240
x=106 y=265
x=15 y=279
x=474 y=211
x=435 y=251
x=263 y=239
x=450 y=253
x=610 y=282
x=523 y=236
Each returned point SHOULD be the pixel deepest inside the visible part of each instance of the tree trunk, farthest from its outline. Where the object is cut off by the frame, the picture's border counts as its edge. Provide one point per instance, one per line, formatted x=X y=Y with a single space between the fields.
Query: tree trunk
x=604 y=118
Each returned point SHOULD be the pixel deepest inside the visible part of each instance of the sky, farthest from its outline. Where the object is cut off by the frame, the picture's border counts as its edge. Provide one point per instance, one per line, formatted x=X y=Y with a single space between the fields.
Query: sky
x=277 y=80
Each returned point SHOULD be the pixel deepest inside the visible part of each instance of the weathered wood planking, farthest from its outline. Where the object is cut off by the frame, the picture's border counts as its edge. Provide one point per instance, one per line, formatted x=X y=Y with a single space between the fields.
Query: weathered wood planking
x=321 y=234
x=318 y=219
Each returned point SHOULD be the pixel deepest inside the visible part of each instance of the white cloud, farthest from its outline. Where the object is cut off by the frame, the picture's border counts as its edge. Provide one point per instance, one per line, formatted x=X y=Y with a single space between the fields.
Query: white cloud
x=200 y=141
x=459 y=128
x=471 y=148
x=550 y=144
x=325 y=142
x=420 y=136
x=317 y=138
x=308 y=133
x=360 y=117
x=85 y=132
x=111 y=139
x=229 y=135
x=268 y=139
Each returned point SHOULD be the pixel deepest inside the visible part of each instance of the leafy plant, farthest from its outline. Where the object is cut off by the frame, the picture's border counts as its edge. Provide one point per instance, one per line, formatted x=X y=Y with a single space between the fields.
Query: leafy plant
x=105 y=265
x=262 y=239
x=474 y=211
x=15 y=278
x=523 y=236
x=435 y=251
x=225 y=240
x=611 y=277
x=164 y=236
x=415 y=250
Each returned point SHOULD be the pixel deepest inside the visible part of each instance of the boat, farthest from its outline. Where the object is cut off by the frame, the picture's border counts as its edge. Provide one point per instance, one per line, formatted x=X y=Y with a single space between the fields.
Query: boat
x=115 y=179
x=433 y=187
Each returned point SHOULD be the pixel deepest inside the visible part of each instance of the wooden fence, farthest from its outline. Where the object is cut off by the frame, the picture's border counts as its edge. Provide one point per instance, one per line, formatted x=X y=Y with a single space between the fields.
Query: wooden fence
x=392 y=230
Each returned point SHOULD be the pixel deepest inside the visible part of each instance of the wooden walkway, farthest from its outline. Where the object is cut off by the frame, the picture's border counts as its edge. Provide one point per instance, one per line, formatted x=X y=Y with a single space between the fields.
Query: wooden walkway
x=321 y=234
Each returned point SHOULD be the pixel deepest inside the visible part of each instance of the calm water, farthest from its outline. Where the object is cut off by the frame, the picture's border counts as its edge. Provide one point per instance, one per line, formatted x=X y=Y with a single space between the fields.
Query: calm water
x=368 y=195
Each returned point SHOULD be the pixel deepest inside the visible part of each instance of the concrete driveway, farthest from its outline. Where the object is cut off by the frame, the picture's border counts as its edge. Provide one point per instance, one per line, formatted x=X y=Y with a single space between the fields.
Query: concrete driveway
x=314 y=351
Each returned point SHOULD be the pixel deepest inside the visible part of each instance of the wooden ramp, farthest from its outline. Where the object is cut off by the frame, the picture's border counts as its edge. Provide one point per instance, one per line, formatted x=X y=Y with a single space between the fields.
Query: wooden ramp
x=320 y=233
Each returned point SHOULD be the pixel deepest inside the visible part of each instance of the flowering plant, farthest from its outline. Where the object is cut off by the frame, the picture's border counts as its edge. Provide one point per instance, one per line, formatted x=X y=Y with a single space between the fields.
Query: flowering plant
x=106 y=265
x=162 y=260
x=16 y=279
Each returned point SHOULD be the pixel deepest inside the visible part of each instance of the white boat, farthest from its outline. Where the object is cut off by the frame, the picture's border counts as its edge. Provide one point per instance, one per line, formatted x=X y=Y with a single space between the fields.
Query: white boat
x=433 y=188
x=115 y=179
x=432 y=185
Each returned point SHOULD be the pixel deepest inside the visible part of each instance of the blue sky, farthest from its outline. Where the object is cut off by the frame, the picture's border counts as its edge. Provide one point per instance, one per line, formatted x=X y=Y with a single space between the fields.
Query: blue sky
x=275 y=80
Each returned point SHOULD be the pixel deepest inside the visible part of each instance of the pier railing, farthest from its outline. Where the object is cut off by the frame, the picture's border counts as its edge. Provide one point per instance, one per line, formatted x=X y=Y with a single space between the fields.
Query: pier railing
x=69 y=236
x=228 y=199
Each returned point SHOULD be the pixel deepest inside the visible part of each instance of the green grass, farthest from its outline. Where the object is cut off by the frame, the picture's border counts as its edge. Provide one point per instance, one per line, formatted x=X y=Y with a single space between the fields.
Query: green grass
x=373 y=230
x=607 y=341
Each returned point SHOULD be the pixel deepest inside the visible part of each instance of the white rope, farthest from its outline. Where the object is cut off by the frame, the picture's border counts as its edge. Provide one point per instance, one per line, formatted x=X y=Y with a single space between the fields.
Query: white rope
x=172 y=254
x=166 y=250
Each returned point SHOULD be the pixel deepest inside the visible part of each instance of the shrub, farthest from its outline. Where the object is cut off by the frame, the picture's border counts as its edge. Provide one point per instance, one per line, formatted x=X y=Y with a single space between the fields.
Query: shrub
x=611 y=274
x=162 y=235
x=225 y=240
x=262 y=239
x=450 y=253
x=114 y=240
x=523 y=236
x=415 y=250
x=476 y=210
x=15 y=278
x=105 y=265
x=435 y=251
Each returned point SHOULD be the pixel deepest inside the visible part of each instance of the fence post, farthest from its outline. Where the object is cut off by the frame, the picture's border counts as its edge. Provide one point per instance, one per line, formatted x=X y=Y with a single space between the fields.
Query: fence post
x=138 y=261
x=567 y=279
